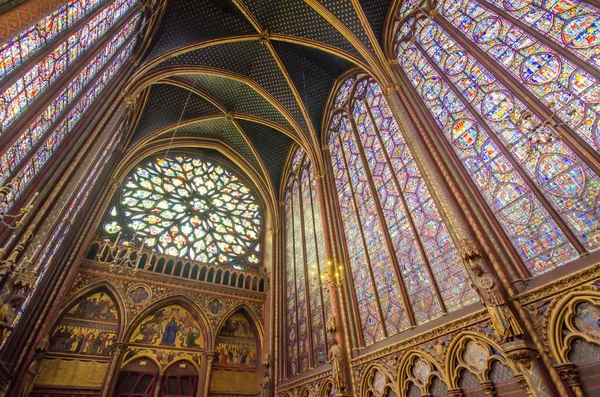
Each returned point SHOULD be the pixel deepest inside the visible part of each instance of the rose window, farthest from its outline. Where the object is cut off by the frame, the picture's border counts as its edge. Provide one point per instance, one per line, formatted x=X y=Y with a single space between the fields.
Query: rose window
x=189 y=208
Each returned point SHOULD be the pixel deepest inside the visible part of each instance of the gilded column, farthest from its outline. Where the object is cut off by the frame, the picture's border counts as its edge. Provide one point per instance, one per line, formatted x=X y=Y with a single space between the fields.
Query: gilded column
x=210 y=357
x=110 y=383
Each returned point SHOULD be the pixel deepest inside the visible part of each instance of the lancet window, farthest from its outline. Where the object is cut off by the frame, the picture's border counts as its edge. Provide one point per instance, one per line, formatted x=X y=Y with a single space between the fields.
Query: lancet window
x=35 y=144
x=513 y=87
x=307 y=303
x=404 y=263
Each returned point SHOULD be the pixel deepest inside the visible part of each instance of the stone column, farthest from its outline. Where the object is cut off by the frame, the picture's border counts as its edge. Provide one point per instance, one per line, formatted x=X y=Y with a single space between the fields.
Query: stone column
x=110 y=382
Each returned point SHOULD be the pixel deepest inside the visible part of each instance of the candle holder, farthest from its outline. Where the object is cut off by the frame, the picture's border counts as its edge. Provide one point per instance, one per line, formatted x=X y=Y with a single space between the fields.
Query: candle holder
x=15 y=221
x=331 y=275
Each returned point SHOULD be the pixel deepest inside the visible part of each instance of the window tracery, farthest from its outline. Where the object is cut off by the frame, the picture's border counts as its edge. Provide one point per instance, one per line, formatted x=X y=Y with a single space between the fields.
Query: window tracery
x=21 y=94
x=191 y=208
x=54 y=118
x=307 y=303
x=506 y=98
x=18 y=50
x=398 y=243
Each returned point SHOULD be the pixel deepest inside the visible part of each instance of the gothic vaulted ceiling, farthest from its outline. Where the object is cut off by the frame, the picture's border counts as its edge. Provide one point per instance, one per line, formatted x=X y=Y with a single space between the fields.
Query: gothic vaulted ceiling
x=253 y=74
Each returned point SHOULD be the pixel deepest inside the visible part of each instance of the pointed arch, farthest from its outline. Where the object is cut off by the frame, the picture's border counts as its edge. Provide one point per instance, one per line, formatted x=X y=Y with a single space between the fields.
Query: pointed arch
x=475 y=353
x=89 y=323
x=403 y=260
x=243 y=307
x=187 y=304
x=376 y=381
x=239 y=340
x=112 y=291
x=419 y=368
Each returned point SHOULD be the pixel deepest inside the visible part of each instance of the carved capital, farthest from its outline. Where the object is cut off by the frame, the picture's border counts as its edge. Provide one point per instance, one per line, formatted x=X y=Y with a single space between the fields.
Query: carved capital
x=454 y=393
x=273 y=230
x=128 y=99
x=468 y=250
x=393 y=61
x=392 y=87
x=25 y=278
x=520 y=352
x=568 y=373
x=488 y=388
x=118 y=348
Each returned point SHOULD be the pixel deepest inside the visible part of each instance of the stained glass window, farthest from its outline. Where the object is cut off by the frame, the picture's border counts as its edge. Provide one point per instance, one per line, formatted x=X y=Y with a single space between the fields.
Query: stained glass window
x=13 y=156
x=23 y=92
x=18 y=50
x=307 y=304
x=61 y=123
x=69 y=217
x=191 y=208
x=398 y=243
x=504 y=96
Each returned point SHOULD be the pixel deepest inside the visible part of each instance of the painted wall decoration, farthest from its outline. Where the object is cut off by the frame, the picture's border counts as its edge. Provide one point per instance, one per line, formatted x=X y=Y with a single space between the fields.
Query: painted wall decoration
x=90 y=326
x=236 y=343
x=138 y=294
x=169 y=327
x=215 y=306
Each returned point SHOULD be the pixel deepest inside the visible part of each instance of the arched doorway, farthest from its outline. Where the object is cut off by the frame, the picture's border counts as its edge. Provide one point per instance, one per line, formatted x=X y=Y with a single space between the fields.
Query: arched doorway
x=138 y=378
x=180 y=380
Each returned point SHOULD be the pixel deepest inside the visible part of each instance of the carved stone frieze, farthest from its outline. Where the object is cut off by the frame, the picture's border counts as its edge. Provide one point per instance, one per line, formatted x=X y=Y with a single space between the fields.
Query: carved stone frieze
x=585 y=276
x=428 y=336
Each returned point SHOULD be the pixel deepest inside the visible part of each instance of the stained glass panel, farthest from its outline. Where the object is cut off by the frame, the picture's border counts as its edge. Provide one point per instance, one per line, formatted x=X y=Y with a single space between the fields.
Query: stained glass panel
x=13 y=156
x=18 y=50
x=69 y=217
x=567 y=90
x=369 y=312
x=36 y=80
x=536 y=237
x=568 y=183
x=290 y=286
x=313 y=260
x=423 y=237
x=191 y=208
x=571 y=24
x=305 y=260
x=22 y=179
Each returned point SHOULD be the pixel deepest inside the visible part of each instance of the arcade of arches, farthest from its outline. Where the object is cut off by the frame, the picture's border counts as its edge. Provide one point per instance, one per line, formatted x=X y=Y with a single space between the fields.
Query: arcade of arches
x=299 y=198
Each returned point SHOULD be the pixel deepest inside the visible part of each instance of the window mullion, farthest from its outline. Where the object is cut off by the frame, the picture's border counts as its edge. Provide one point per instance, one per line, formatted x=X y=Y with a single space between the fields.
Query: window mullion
x=518 y=168
x=305 y=270
x=39 y=105
x=65 y=114
x=363 y=239
x=434 y=282
x=55 y=42
x=382 y=222
x=574 y=141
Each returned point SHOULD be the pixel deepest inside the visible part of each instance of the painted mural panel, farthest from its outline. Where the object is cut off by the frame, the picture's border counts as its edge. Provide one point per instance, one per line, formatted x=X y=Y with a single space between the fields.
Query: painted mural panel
x=169 y=327
x=88 y=327
x=236 y=343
